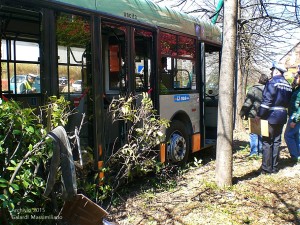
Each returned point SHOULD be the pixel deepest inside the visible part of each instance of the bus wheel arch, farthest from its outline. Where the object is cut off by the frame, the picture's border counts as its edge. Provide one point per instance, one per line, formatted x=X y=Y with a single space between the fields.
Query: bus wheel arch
x=178 y=141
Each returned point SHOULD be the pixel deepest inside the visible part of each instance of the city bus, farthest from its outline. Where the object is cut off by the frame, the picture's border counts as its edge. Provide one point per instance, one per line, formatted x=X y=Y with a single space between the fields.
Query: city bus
x=93 y=51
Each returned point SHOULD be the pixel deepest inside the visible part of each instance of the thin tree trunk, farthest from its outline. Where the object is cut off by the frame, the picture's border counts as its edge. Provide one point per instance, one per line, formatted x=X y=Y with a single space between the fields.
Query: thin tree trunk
x=240 y=96
x=225 y=111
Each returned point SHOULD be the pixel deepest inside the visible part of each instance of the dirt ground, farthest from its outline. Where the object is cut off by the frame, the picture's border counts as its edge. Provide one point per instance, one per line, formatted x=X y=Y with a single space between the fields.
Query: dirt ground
x=195 y=199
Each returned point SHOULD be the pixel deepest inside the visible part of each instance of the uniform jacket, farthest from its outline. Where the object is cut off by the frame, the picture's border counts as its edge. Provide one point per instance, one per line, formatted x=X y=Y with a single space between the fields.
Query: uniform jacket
x=276 y=98
x=252 y=101
x=25 y=87
x=294 y=107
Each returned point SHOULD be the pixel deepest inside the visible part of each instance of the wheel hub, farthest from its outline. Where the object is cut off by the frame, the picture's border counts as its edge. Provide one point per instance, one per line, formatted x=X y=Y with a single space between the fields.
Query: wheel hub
x=176 y=148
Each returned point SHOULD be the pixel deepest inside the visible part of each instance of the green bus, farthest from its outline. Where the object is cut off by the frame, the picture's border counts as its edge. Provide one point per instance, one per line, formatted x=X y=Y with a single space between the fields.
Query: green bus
x=93 y=51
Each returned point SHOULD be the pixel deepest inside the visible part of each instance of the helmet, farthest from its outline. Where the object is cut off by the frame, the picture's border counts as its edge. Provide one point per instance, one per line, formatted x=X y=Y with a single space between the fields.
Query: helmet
x=32 y=75
x=279 y=67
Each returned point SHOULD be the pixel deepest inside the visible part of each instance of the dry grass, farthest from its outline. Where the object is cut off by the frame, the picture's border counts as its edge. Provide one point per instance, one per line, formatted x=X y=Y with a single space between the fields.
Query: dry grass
x=253 y=198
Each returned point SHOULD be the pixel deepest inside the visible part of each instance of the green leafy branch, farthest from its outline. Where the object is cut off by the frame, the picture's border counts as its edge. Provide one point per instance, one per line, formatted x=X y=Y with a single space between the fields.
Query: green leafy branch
x=139 y=155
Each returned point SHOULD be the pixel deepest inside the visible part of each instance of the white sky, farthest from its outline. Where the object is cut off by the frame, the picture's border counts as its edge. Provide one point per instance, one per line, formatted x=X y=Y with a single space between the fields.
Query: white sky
x=280 y=10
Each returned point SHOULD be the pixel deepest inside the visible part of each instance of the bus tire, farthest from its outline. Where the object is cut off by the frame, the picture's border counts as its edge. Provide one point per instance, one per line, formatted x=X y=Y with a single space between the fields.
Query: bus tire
x=178 y=143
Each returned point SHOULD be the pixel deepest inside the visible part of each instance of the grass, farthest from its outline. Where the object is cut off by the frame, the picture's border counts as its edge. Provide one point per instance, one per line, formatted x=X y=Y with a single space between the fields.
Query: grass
x=191 y=196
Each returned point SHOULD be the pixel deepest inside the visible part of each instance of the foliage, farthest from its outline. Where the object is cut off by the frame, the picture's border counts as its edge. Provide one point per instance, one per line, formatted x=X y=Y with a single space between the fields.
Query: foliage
x=139 y=155
x=57 y=111
x=72 y=31
x=197 y=162
x=24 y=150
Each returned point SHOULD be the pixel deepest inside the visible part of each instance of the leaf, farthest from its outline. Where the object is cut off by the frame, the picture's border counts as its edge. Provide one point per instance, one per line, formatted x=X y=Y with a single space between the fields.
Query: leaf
x=3 y=185
x=13 y=162
x=5 y=203
x=125 y=109
x=2 y=180
x=29 y=200
x=30 y=129
x=25 y=183
x=159 y=133
x=15 y=186
x=17 y=132
x=139 y=130
x=3 y=197
x=11 y=205
x=11 y=190
x=37 y=182
x=11 y=168
x=35 y=193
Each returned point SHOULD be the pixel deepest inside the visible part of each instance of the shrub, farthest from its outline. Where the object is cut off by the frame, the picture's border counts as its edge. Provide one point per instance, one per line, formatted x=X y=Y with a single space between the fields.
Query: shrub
x=139 y=155
x=24 y=151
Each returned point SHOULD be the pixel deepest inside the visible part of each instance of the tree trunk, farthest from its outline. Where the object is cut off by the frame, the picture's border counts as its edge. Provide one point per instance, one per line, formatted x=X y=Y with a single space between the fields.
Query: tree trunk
x=225 y=111
x=240 y=96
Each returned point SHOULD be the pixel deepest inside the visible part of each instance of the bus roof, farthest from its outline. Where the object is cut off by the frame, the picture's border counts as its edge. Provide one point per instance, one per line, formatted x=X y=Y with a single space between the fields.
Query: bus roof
x=146 y=11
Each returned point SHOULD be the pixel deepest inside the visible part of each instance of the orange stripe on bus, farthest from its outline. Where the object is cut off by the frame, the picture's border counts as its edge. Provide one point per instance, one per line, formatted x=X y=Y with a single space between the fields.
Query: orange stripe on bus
x=162 y=152
x=100 y=166
x=196 y=142
x=100 y=150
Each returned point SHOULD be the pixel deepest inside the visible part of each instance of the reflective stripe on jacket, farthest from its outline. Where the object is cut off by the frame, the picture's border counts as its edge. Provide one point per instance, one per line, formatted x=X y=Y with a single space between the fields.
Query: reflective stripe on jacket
x=25 y=87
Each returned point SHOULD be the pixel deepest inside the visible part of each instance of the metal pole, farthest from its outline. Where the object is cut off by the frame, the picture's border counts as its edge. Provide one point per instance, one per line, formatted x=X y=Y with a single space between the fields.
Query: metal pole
x=218 y=9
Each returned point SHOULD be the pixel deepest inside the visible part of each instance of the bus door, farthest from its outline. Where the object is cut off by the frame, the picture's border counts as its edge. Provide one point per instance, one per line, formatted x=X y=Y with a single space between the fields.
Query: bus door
x=115 y=73
x=74 y=71
x=125 y=71
x=211 y=92
x=20 y=55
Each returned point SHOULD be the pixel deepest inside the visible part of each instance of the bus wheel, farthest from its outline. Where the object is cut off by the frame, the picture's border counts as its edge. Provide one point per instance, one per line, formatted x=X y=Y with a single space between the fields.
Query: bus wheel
x=177 y=142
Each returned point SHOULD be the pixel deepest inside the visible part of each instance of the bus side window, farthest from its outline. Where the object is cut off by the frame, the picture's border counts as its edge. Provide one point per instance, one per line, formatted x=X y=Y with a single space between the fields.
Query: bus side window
x=15 y=55
x=177 y=71
x=184 y=74
x=143 y=60
x=166 y=73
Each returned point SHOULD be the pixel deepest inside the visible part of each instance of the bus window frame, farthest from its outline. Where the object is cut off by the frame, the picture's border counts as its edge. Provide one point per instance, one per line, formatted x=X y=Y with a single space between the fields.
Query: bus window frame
x=147 y=77
x=71 y=60
x=11 y=58
x=174 y=61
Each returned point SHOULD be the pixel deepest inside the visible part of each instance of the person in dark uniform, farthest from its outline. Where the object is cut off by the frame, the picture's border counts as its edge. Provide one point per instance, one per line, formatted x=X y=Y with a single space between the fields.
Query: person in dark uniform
x=276 y=97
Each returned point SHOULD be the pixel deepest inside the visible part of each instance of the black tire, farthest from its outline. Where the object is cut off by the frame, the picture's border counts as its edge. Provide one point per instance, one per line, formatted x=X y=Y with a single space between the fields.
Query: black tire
x=178 y=143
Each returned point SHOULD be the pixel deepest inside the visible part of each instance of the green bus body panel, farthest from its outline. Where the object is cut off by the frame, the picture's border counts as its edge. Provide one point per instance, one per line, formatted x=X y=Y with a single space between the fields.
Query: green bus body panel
x=148 y=12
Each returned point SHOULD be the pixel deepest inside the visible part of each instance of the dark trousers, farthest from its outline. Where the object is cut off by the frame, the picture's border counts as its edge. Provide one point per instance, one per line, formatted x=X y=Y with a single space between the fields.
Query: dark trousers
x=270 y=147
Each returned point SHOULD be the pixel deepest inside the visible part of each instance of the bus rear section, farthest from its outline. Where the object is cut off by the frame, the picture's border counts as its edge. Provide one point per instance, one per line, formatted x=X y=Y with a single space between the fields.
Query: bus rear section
x=188 y=95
